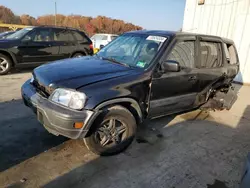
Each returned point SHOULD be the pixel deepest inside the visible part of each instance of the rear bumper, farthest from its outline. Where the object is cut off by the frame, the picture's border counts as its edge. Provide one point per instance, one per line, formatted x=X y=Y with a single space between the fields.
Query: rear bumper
x=57 y=119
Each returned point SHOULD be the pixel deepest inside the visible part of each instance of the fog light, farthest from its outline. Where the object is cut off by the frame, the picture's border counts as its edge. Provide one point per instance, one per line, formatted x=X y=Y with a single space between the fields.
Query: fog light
x=78 y=125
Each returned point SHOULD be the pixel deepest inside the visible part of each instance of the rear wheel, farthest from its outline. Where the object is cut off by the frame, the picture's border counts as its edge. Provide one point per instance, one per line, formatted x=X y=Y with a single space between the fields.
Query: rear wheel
x=113 y=132
x=77 y=55
x=5 y=64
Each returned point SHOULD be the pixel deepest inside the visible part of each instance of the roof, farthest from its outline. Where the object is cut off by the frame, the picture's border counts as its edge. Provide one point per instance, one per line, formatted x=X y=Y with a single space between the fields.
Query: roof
x=53 y=26
x=155 y=32
x=107 y=34
x=174 y=33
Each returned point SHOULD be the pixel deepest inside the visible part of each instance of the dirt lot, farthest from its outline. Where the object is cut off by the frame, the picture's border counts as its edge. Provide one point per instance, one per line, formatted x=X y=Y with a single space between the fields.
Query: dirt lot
x=189 y=150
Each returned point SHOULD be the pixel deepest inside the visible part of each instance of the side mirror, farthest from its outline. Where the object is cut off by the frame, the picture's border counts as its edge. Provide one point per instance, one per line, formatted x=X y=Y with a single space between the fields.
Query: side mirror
x=101 y=46
x=26 y=39
x=170 y=66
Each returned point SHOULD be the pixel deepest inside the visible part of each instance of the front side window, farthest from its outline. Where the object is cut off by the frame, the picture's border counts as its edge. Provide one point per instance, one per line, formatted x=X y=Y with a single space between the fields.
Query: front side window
x=133 y=50
x=39 y=35
x=210 y=53
x=183 y=53
x=42 y=35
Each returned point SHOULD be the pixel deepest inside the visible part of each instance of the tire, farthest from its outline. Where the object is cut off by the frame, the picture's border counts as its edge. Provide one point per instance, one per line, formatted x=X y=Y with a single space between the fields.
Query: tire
x=5 y=64
x=121 y=118
x=77 y=55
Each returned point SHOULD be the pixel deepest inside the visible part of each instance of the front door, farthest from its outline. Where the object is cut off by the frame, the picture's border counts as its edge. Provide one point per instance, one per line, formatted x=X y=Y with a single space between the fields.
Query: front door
x=40 y=48
x=173 y=92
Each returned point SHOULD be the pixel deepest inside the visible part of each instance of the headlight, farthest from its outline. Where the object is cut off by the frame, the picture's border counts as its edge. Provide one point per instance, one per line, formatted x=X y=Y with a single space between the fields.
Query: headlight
x=71 y=99
x=32 y=79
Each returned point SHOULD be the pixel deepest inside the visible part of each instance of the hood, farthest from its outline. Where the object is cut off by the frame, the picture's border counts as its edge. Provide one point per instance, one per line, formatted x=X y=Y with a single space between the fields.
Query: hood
x=78 y=72
x=4 y=43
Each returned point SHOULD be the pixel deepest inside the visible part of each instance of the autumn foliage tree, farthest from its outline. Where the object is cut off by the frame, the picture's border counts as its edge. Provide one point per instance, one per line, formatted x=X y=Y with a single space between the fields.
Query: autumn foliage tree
x=100 y=24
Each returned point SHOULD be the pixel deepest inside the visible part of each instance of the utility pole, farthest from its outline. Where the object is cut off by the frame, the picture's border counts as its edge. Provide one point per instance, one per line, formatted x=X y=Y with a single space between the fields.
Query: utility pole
x=55 y=12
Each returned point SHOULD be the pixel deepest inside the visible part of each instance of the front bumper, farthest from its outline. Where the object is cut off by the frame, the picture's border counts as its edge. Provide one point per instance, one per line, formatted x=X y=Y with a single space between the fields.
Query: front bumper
x=57 y=119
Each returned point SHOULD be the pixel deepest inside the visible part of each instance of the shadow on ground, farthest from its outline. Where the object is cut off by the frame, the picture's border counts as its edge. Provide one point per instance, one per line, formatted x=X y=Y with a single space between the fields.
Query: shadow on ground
x=22 y=137
x=197 y=153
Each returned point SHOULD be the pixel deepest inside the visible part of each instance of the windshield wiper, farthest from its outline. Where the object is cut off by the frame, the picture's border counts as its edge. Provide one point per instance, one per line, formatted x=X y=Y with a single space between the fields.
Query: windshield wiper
x=115 y=61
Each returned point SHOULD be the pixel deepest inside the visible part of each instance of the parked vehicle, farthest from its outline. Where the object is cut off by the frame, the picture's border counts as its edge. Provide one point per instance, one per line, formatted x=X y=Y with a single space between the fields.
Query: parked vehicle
x=33 y=46
x=142 y=74
x=101 y=40
x=3 y=35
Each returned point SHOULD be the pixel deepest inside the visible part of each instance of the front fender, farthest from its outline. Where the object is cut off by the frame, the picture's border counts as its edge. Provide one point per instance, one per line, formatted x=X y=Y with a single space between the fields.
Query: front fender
x=4 y=51
x=133 y=89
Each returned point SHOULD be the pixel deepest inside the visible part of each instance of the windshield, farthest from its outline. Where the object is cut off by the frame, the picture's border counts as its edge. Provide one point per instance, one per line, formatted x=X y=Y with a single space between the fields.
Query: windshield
x=19 y=34
x=113 y=37
x=133 y=50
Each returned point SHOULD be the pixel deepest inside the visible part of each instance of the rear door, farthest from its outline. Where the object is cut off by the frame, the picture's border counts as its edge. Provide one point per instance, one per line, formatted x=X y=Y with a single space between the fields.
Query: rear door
x=83 y=42
x=66 y=41
x=211 y=65
x=176 y=91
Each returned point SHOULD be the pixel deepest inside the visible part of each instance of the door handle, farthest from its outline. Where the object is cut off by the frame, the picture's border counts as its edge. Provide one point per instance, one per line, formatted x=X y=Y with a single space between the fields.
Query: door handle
x=192 y=78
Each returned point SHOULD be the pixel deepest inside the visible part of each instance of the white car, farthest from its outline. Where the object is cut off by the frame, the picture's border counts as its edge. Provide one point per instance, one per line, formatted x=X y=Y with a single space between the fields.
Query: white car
x=102 y=39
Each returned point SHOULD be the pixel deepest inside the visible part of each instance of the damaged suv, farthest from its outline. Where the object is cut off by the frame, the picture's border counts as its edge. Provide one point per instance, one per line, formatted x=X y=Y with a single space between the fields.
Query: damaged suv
x=101 y=99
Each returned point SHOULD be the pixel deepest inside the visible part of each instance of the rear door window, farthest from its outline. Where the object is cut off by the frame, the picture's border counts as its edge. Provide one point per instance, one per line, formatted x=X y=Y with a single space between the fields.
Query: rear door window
x=63 y=35
x=210 y=54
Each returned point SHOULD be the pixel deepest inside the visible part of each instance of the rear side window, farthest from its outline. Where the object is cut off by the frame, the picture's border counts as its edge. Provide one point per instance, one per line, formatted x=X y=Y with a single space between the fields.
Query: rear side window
x=79 y=36
x=63 y=35
x=183 y=53
x=211 y=55
x=231 y=53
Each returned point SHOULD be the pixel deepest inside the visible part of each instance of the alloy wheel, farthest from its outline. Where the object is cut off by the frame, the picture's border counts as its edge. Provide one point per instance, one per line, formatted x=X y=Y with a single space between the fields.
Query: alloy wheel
x=111 y=132
x=4 y=65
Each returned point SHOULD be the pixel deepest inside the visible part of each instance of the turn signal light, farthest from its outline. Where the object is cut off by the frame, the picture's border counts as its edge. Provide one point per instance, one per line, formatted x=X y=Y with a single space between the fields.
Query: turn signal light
x=78 y=125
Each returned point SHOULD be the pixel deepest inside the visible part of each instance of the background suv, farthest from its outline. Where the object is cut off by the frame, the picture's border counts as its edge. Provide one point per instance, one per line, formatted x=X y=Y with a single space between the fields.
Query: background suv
x=33 y=46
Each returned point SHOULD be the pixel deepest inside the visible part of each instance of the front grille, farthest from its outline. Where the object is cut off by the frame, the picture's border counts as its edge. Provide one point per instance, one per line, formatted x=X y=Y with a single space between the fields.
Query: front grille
x=40 y=88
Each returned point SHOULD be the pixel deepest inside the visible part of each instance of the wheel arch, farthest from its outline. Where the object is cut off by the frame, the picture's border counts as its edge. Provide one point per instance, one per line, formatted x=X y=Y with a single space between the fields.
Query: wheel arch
x=78 y=51
x=128 y=103
x=10 y=55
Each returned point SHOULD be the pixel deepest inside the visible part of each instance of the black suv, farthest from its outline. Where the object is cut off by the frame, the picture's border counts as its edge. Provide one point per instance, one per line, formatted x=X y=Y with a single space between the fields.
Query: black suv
x=33 y=46
x=142 y=74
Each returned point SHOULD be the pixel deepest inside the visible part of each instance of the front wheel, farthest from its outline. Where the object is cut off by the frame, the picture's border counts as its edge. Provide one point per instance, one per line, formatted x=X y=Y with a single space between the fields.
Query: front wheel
x=113 y=131
x=5 y=64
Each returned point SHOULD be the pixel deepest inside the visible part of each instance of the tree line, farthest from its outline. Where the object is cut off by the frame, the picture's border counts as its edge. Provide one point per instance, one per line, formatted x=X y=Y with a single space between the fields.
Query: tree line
x=99 y=24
